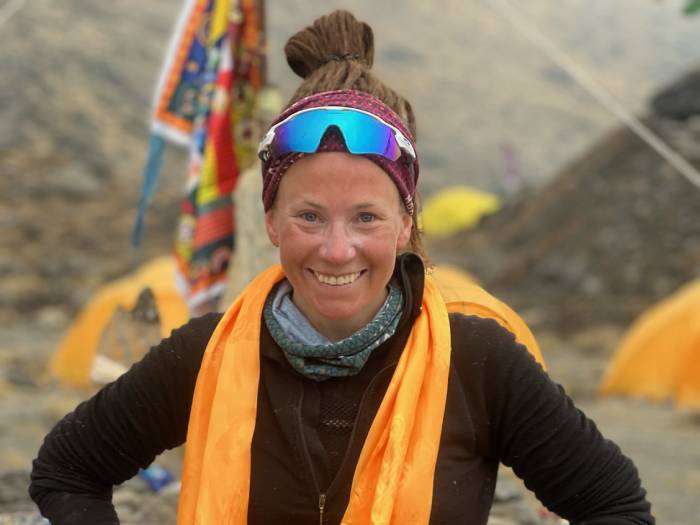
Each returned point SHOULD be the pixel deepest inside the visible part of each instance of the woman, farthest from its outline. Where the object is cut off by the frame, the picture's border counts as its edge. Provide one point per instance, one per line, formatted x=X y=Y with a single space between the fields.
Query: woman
x=337 y=388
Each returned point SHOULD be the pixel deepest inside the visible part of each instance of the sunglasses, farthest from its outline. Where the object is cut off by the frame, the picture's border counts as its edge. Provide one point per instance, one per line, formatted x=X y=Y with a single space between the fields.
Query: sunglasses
x=363 y=132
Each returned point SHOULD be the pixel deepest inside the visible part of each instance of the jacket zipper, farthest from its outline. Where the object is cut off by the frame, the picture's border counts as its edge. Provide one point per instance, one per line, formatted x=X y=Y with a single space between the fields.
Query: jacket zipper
x=363 y=400
x=322 y=496
x=305 y=447
x=321 y=507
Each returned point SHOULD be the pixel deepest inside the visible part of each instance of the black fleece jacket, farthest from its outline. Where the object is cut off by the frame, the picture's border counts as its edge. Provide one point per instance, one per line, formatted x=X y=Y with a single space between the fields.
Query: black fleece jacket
x=501 y=407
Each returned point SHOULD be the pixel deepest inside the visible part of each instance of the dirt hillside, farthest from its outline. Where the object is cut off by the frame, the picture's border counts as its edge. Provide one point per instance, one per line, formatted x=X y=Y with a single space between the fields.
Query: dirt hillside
x=615 y=232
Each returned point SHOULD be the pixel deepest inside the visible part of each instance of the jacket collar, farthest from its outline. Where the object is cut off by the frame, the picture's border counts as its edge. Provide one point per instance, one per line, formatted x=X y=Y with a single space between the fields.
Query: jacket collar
x=410 y=272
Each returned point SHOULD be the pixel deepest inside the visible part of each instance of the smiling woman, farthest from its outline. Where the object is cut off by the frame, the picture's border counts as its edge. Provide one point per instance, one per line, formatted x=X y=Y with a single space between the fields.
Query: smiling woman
x=339 y=223
x=339 y=387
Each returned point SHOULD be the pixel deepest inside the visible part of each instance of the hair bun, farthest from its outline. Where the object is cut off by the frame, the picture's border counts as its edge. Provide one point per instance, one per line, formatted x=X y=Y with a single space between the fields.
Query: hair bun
x=334 y=38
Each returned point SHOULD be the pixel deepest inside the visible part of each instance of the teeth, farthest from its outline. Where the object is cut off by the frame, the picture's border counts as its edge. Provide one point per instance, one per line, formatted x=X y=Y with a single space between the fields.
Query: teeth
x=337 y=280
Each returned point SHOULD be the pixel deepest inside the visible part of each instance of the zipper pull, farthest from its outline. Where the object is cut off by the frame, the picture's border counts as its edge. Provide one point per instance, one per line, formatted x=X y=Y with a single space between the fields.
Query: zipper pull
x=321 y=507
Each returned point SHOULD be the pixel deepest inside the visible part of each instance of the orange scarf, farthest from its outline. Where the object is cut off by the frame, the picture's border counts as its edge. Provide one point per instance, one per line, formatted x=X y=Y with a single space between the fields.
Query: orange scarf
x=393 y=481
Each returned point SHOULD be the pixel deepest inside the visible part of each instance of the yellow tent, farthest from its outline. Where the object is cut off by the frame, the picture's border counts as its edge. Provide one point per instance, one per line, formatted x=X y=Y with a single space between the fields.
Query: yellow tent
x=462 y=294
x=455 y=209
x=659 y=357
x=76 y=354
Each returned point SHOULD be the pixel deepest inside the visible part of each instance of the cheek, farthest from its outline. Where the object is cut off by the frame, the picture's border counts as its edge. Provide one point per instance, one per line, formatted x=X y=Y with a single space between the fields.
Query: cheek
x=294 y=243
x=382 y=245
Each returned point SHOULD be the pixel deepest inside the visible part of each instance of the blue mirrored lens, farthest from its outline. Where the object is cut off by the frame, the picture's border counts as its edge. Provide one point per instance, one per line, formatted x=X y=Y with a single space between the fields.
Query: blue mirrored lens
x=363 y=134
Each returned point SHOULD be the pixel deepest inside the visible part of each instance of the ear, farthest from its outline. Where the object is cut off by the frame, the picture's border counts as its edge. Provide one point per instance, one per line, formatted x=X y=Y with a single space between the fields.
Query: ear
x=405 y=232
x=272 y=232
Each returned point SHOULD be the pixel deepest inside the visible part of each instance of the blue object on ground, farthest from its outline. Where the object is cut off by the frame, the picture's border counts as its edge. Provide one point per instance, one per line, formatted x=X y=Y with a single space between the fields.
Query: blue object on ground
x=156 y=476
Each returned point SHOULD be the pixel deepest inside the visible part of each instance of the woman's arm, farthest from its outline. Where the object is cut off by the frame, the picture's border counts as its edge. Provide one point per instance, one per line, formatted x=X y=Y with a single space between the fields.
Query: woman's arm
x=106 y=439
x=536 y=429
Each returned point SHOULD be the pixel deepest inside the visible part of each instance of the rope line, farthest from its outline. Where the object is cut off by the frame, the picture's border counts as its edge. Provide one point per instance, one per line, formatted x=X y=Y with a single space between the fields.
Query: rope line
x=506 y=10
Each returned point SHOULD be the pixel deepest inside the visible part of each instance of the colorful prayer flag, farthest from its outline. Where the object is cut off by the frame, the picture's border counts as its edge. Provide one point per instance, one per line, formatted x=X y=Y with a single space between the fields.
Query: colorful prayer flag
x=207 y=99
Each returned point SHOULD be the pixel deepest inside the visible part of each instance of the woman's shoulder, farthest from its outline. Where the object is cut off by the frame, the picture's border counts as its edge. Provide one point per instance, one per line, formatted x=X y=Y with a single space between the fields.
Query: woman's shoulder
x=475 y=335
x=199 y=327
x=483 y=345
x=185 y=345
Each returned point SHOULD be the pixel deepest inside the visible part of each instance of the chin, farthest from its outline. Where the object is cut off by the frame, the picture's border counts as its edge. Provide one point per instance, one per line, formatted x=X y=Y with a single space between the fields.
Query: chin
x=340 y=313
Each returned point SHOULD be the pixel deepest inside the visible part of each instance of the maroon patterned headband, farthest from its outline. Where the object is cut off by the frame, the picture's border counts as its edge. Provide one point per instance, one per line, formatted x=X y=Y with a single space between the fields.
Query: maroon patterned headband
x=404 y=174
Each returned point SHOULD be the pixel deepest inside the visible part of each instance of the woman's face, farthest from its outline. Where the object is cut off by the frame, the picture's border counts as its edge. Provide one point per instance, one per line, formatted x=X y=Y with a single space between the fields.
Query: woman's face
x=338 y=222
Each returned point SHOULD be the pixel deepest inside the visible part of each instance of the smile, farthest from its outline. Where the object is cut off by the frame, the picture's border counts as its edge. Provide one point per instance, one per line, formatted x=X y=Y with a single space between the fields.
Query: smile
x=336 y=280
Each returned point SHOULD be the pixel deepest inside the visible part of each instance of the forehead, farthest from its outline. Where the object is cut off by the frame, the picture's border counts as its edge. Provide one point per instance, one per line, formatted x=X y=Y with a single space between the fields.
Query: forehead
x=337 y=175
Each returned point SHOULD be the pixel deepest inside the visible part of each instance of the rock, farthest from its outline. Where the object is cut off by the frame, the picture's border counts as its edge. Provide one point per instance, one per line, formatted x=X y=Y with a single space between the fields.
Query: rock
x=52 y=317
x=506 y=491
x=72 y=181
x=513 y=503
x=13 y=492
x=22 y=518
x=681 y=100
x=20 y=288
x=136 y=504
x=254 y=252
x=19 y=374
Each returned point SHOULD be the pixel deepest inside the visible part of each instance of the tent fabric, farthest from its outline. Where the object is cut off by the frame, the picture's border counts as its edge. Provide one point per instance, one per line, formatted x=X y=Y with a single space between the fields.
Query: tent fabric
x=455 y=209
x=74 y=357
x=462 y=294
x=659 y=356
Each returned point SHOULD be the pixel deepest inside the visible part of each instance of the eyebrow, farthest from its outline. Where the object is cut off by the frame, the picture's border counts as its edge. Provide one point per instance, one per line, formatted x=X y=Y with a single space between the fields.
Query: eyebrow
x=311 y=204
x=316 y=205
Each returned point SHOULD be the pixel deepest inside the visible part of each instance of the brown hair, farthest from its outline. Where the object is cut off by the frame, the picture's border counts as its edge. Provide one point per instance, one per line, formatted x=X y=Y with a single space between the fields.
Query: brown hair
x=336 y=52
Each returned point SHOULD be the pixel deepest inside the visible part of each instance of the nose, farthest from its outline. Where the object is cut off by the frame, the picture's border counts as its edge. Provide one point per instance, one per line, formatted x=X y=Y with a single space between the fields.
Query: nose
x=338 y=246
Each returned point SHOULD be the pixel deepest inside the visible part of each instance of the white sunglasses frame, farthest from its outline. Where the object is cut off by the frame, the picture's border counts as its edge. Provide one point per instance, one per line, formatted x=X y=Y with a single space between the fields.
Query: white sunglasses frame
x=402 y=141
